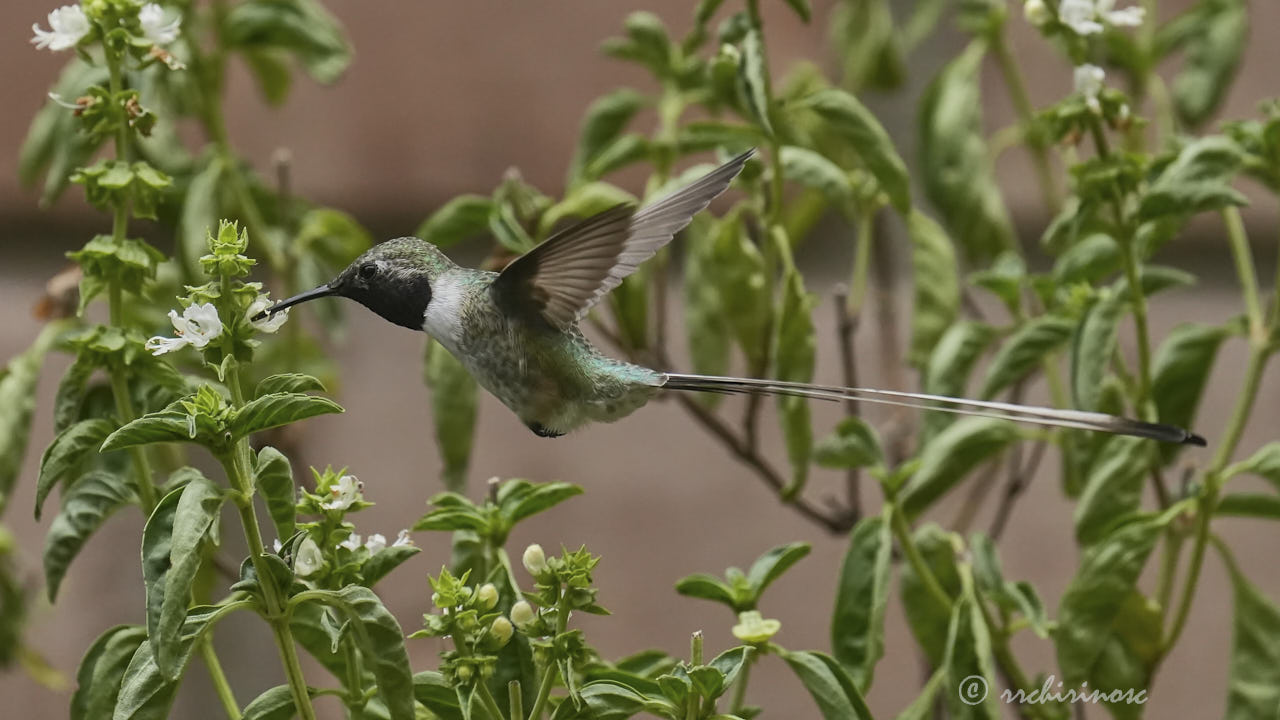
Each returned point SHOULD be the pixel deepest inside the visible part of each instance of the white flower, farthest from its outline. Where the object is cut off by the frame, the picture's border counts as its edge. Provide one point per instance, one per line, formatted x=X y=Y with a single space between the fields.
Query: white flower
x=402 y=538
x=535 y=561
x=1036 y=13
x=67 y=25
x=343 y=493
x=151 y=16
x=522 y=614
x=352 y=542
x=375 y=543
x=1089 y=82
x=309 y=558
x=1084 y=16
x=270 y=323
x=277 y=545
x=198 y=325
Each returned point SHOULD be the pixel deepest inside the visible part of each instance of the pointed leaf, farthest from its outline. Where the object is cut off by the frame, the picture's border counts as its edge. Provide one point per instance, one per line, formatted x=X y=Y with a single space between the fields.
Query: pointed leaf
x=64 y=458
x=541 y=496
x=936 y=286
x=463 y=217
x=857 y=628
x=770 y=566
x=1113 y=488
x=384 y=561
x=1092 y=348
x=101 y=669
x=381 y=644
x=273 y=477
x=951 y=455
x=753 y=76
x=854 y=444
x=832 y=689
x=605 y=120
x=950 y=365
x=431 y=689
x=707 y=587
x=1253 y=685
x=273 y=704
x=168 y=425
x=851 y=120
x=278 y=409
x=928 y=619
x=1198 y=179
x=812 y=169
x=196 y=512
x=85 y=506
x=968 y=660
x=1213 y=55
x=793 y=362
x=1179 y=373
x=1023 y=352
x=287 y=383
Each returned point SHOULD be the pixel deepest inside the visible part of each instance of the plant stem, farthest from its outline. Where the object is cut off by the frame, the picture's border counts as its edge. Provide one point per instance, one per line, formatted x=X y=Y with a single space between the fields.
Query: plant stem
x=1168 y=571
x=220 y=684
x=1139 y=322
x=1258 y=356
x=487 y=699
x=355 y=699
x=1017 y=86
x=1243 y=257
x=549 y=672
x=931 y=584
x=237 y=470
x=740 y=689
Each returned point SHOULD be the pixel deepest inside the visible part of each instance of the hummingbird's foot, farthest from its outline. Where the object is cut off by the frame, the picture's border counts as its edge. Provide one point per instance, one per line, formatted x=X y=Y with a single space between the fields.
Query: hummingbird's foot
x=543 y=431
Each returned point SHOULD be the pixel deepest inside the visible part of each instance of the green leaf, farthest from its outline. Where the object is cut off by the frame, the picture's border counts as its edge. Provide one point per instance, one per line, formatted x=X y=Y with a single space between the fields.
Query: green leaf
x=1011 y=597
x=180 y=535
x=708 y=587
x=857 y=627
x=85 y=506
x=453 y=408
x=1024 y=351
x=1253 y=683
x=705 y=322
x=381 y=644
x=950 y=365
x=301 y=27
x=855 y=123
x=1106 y=577
x=168 y=425
x=802 y=8
x=832 y=689
x=431 y=689
x=928 y=619
x=968 y=658
x=1129 y=655
x=381 y=563
x=17 y=402
x=287 y=383
x=812 y=169
x=872 y=44
x=584 y=201
x=1254 y=505
x=646 y=43
x=273 y=704
x=101 y=669
x=1090 y=260
x=54 y=144
x=951 y=455
x=532 y=498
x=604 y=122
x=1198 y=179
x=278 y=409
x=1214 y=50
x=1265 y=462
x=145 y=692
x=753 y=79
x=271 y=69
x=770 y=566
x=1092 y=348
x=625 y=150
x=1179 y=373
x=922 y=708
x=730 y=662
x=854 y=444
x=72 y=391
x=793 y=361
x=936 y=285
x=273 y=477
x=743 y=287
x=463 y=217
x=958 y=176
x=68 y=453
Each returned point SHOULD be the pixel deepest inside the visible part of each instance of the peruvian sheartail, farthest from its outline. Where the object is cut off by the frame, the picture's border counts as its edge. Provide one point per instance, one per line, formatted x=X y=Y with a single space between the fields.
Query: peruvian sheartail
x=517 y=331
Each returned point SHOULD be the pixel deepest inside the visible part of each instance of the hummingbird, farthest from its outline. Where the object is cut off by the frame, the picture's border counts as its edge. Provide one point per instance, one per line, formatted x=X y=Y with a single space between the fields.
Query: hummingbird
x=516 y=331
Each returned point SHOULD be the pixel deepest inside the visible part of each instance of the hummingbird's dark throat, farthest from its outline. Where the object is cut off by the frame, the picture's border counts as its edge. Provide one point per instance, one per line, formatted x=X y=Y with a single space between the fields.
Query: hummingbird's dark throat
x=322 y=291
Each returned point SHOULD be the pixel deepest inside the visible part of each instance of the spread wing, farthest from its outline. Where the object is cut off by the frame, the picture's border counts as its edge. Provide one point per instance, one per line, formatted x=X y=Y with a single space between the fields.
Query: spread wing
x=564 y=276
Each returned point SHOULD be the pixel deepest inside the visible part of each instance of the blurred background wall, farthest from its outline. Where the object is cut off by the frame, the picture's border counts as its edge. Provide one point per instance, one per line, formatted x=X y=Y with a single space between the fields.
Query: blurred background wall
x=442 y=98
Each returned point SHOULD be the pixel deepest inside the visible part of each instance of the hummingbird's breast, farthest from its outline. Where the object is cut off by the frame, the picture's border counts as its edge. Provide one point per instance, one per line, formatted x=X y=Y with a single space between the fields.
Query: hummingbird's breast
x=555 y=381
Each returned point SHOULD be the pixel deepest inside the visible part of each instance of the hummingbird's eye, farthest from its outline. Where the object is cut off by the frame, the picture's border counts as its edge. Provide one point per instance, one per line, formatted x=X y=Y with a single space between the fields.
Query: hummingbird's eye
x=368 y=270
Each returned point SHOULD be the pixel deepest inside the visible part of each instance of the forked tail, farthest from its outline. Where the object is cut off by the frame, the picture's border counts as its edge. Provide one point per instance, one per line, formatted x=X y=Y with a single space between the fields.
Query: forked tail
x=1078 y=419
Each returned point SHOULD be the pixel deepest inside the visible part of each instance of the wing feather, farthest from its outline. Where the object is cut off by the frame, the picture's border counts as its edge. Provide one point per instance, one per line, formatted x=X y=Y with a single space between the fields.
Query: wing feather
x=562 y=278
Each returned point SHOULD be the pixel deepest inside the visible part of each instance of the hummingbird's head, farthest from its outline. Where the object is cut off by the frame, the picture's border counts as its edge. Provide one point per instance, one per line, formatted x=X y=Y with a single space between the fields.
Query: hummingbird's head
x=392 y=279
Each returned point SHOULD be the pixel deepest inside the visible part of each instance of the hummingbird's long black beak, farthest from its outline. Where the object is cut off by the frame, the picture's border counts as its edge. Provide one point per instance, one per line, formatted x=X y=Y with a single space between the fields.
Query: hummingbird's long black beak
x=322 y=291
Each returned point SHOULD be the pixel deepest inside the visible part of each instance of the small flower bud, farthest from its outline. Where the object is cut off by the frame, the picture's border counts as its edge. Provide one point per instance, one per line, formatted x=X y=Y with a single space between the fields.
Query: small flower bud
x=535 y=561
x=463 y=672
x=487 y=596
x=522 y=614
x=501 y=631
x=1036 y=13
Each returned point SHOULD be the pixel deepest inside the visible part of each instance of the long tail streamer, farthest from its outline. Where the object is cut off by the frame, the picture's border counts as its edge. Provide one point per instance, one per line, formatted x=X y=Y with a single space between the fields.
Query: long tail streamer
x=1078 y=419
